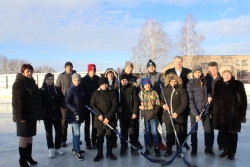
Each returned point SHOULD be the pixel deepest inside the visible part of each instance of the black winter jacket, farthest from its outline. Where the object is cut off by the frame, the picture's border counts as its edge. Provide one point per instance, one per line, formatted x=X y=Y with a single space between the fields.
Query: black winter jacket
x=104 y=102
x=129 y=101
x=197 y=95
x=230 y=105
x=74 y=100
x=89 y=85
x=26 y=99
x=52 y=100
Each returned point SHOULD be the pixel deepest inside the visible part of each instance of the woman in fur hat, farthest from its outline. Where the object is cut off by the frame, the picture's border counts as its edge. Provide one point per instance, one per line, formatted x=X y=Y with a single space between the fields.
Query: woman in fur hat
x=230 y=104
x=177 y=100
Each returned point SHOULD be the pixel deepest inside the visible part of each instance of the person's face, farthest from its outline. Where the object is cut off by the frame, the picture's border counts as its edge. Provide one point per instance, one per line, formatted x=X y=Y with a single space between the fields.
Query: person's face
x=178 y=63
x=124 y=82
x=91 y=73
x=151 y=69
x=68 y=69
x=104 y=86
x=173 y=83
x=226 y=76
x=197 y=74
x=128 y=69
x=28 y=73
x=147 y=87
x=76 y=81
x=110 y=76
x=213 y=70
x=49 y=80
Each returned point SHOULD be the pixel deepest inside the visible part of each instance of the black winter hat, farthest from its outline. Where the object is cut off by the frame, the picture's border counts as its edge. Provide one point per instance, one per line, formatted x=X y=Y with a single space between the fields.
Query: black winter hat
x=151 y=63
x=103 y=80
x=124 y=76
x=68 y=64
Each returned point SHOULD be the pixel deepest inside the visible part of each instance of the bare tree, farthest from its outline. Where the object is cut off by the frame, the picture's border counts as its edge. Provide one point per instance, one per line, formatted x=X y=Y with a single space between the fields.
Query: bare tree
x=3 y=64
x=190 y=40
x=153 y=44
x=44 y=69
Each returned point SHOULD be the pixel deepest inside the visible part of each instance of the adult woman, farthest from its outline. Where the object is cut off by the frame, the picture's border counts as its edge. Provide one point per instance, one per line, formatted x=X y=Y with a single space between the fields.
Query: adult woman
x=230 y=104
x=52 y=99
x=27 y=109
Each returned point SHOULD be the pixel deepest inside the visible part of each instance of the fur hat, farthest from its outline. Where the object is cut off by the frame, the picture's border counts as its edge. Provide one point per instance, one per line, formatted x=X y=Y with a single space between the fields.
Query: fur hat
x=68 y=64
x=196 y=68
x=124 y=76
x=150 y=63
x=76 y=75
x=103 y=80
x=128 y=63
x=227 y=68
x=145 y=81
x=172 y=76
x=91 y=67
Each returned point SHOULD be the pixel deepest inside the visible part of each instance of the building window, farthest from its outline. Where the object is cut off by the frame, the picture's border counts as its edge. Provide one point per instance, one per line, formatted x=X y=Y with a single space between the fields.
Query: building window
x=204 y=65
x=244 y=62
x=237 y=62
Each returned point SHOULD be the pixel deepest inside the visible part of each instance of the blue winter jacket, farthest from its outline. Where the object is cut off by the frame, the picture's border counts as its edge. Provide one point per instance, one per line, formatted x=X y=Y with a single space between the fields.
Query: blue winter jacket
x=74 y=100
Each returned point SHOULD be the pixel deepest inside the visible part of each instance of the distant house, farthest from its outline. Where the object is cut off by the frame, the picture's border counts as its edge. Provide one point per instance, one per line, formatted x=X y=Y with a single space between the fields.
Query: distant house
x=239 y=62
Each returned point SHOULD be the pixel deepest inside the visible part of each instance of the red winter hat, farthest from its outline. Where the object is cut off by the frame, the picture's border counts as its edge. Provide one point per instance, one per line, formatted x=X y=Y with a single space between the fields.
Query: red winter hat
x=91 y=67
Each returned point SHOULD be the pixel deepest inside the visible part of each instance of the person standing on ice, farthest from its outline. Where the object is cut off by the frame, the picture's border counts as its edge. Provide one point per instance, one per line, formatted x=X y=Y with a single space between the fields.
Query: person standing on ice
x=230 y=105
x=27 y=109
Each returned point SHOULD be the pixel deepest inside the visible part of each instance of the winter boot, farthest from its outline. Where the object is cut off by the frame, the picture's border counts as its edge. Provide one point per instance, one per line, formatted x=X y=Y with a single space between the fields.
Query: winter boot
x=146 y=152
x=225 y=152
x=168 y=152
x=134 y=151
x=123 y=150
x=209 y=151
x=23 y=158
x=230 y=156
x=99 y=155
x=157 y=151
x=29 y=152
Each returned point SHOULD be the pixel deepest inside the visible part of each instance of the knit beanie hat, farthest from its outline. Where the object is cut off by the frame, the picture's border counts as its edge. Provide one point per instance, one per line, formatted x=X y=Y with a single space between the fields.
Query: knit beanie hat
x=103 y=80
x=91 y=67
x=124 y=76
x=76 y=75
x=68 y=64
x=227 y=68
x=196 y=68
x=145 y=81
x=128 y=63
x=151 y=63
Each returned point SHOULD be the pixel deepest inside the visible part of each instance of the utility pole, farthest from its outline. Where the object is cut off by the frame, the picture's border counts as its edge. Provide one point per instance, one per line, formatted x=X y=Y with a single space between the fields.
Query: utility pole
x=100 y=59
x=134 y=62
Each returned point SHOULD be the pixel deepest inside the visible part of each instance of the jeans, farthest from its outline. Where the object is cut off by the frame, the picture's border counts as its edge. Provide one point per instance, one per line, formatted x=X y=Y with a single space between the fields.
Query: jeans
x=76 y=136
x=151 y=127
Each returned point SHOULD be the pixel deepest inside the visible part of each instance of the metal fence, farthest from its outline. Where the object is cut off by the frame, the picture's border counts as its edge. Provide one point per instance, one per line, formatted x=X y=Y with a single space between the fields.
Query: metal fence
x=7 y=80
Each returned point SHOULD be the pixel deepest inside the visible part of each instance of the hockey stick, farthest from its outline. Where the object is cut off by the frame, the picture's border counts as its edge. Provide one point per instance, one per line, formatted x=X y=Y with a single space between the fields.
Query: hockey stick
x=159 y=128
x=113 y=129
x=179 y=150
x=176 y=137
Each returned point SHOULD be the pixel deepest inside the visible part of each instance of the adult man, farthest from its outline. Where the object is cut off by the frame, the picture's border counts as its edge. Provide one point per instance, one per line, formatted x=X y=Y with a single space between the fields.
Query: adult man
x=155 y=79
x=63 y=81
x=213 y=76
x=90 y=84
x=128 y=68
x=182 y=73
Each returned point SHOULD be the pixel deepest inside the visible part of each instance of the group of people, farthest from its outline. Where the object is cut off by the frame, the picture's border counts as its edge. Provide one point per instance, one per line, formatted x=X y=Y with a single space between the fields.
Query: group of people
x=122 y=96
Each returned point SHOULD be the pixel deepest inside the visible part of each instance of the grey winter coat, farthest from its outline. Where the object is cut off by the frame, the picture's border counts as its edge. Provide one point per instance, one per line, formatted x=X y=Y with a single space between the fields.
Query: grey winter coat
x=63 y=81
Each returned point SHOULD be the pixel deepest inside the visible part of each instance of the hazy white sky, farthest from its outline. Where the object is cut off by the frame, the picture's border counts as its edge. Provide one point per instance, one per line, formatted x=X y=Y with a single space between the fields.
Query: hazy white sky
x=105 y=31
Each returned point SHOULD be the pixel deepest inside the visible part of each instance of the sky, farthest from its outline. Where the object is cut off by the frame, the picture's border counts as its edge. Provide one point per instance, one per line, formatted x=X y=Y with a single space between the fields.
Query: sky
x=104 y=32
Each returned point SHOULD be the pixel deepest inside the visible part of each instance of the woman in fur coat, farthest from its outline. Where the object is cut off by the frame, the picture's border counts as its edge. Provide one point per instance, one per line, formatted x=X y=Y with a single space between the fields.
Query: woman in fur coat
x=230 y=104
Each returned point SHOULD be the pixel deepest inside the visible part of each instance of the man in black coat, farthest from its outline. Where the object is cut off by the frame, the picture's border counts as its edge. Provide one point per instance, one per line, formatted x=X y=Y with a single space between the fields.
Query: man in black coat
x=181 y=72
x=89 y=83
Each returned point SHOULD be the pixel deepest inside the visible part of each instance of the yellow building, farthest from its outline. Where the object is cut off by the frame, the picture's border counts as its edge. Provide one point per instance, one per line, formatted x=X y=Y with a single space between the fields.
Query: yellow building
x=239 y=62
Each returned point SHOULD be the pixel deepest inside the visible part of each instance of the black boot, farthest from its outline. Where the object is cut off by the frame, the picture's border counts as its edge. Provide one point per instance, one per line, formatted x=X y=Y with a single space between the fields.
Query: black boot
x=123 y=150
x=230 y=156
x=111 y=156
x=194 y=141
x=168 y=152
x=23 y=157
x=225 y=152
x=146 y=152
x=157 y=152
x=99 y=155
x=29 y=153
x=209 y=151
